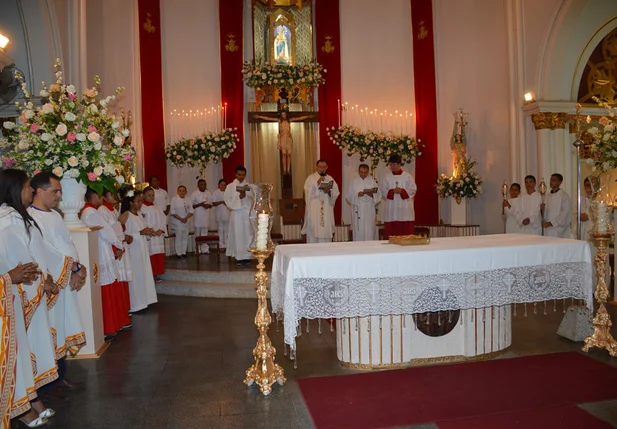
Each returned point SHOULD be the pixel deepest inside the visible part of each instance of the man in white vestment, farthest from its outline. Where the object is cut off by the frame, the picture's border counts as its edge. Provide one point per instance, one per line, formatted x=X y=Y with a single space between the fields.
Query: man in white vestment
x=201 y=199
x=531 y=222
x=222 y=214
x=320 y=194
x=512 y=210
x=63 y=309
x=557 y=210
x=161 y=199
x=363 y=195
x=238 y=198
x=398 y=188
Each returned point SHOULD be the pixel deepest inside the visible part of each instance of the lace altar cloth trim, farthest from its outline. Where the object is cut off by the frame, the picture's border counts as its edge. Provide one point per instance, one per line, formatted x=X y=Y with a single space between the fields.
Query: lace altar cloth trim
x=316 y=298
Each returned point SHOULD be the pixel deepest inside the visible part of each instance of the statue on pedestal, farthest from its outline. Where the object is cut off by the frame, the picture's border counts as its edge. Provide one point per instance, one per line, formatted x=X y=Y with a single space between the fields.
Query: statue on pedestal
x=458 y=142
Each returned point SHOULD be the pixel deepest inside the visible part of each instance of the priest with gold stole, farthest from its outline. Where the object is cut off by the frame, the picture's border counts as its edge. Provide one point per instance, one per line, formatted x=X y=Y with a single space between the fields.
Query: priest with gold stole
x=320 y=194
x=399 y=189
x=363 y=195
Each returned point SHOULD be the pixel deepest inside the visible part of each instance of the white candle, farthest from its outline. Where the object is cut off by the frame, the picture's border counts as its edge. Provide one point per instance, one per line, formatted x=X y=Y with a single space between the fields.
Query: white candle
x=262 y=231
x=602 y=224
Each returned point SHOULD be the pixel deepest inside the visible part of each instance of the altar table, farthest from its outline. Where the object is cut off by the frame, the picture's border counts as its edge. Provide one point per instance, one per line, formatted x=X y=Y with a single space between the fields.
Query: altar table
x=378 y=290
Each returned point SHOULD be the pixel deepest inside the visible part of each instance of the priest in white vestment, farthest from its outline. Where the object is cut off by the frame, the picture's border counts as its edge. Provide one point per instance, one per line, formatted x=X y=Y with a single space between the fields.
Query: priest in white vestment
x=530 y=208
x=398 y=188
x=222 y=213
x=161 y=199
x=512 y=210
x=181 y=210
x=557 y=210
x=363 y=195
x=238 y=198
x=201 y=199
x=320 y=194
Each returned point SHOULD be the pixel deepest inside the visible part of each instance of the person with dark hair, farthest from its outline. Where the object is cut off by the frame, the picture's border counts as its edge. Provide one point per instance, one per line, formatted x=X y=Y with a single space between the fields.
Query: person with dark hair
x=155 y=219
x=531 y=222
x=181 y=211
x=363 y=195
x=160 y=195
x=21 y=242
x=142 y=287
x=201 y=199
x=239 y=197
x=63 y=309
x=222 y=214
x=557 y=210
x=399 y=188
x=512 y=210
x=113 y=296
x=320 y=194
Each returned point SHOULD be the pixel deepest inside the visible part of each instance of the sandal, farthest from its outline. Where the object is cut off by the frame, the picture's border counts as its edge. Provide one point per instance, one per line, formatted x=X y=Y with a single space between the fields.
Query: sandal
x=36 y=423
x=47 y=413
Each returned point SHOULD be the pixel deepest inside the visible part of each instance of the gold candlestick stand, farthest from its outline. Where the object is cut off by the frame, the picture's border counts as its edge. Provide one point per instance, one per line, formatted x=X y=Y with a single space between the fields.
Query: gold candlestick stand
x=265 y=372
x=601 y=337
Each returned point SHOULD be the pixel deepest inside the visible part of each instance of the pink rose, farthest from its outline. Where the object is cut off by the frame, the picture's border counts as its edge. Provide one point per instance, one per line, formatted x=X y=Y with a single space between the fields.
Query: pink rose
x=127 y=157
x=91 y=176
x=603 y=120
x=8 y=162
x=71 y=136
x=72 y=96
x=34 y=127
x=91 y=129
x=37 y=171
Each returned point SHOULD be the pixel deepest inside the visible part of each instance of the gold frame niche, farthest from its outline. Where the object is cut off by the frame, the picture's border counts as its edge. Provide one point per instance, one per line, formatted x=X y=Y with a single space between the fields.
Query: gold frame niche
x=280 y=17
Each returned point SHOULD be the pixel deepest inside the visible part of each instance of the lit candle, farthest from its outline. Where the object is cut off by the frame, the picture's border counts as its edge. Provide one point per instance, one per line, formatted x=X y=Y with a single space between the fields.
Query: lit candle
x=262 y=231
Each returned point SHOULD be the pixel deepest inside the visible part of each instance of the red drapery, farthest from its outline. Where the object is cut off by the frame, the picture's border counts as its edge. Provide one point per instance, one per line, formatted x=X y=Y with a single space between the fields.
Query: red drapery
x=151 y=65
x=328 y=37
x=232 y=86
x=426 y=110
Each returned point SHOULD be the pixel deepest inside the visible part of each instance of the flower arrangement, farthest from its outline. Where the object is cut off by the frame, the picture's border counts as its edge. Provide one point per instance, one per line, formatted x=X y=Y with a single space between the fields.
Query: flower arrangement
x=72 y=135
x=466 y=185
x=378 y=146
x=604 y=146
x=261 y=76
x=202 y=150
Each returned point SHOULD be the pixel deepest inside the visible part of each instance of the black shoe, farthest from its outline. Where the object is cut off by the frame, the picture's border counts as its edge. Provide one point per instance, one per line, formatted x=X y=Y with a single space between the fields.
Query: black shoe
x=126 y=327
x=110 y=337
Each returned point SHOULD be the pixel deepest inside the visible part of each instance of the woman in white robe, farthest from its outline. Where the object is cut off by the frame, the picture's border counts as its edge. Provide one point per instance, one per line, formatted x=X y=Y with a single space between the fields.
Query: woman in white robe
x=142 y=288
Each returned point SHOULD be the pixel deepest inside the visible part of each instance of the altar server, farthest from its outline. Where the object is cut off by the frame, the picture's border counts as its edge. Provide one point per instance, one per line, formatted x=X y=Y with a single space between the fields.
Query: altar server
x=201 y=199
x=142 y=288
x=21 y=242
x=531 y=200
x=363 y=195
x=113 y=296
x=320 y=194
x=155 y=218
x=160 y=195
x=181 y=211
x=63 y=310
x=399 y=189
x=239 y=197
x=222 y=213
x=557 y=210
x=512 y=210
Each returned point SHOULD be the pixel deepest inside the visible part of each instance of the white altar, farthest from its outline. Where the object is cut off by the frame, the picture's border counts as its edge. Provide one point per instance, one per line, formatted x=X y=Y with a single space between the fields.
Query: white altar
x=378 y=291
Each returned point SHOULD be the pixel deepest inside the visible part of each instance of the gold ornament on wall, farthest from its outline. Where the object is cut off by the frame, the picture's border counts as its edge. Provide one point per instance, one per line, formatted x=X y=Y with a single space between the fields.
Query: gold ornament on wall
x=549 y=120
x=328 y=47
x=148 y=24
x=231 y=45
x=599 y=78
x=95 y=272
x=423 y=32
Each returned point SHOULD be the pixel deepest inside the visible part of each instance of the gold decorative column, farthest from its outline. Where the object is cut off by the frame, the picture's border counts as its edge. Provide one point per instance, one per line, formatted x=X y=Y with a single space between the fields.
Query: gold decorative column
x=601 y=337
x=265 y=372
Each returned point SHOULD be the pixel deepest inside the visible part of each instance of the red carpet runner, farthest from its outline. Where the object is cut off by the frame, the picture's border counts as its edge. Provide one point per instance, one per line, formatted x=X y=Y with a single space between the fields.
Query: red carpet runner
x=459 y=391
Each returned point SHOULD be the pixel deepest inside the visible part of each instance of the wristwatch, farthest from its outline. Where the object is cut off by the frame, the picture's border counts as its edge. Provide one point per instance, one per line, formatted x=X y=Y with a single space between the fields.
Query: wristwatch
x=78 y=267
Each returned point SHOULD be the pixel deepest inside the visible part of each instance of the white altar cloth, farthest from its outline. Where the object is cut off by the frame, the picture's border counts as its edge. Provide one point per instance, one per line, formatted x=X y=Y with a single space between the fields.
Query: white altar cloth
x=348 y=279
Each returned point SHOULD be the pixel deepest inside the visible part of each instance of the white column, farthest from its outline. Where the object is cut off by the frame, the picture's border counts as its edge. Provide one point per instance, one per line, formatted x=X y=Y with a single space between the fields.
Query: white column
x=77 y=67
x=544 y=155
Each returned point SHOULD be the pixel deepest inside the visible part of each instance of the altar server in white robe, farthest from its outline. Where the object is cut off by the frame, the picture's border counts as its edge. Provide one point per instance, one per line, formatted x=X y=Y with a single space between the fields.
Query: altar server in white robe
x=113 y=218
x=142 y=288
x=398 y=188
x=181 y=211
x=557 y=210
x=222 y=213
x=320 y=194
x=531 y=200
x=512 y=210
x=363 y=195
x=161 y=199
x=239 y=197
x=63 y=310
x=201 y=199
x=155 y=219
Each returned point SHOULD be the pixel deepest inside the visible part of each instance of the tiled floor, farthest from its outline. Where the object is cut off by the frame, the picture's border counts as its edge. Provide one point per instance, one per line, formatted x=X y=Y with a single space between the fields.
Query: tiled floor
x=183 y=364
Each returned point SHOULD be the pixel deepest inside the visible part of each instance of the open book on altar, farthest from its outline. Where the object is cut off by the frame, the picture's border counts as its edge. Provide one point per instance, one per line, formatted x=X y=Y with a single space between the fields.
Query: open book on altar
x=324 y=186
x=244 y=188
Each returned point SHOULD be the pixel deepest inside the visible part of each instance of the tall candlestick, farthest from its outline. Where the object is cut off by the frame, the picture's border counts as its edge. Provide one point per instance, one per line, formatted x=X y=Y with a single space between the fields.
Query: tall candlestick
x=338 y=108
x=225 y=123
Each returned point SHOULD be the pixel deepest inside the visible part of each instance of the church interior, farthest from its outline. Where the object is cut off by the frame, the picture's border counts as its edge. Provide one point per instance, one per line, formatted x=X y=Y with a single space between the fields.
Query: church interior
x=398 y=213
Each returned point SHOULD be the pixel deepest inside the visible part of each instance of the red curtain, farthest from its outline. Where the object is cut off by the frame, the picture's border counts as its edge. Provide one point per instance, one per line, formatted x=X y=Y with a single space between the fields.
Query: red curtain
x=328 y=37
x=152 y=90
x=232 y=87
x=427 y=202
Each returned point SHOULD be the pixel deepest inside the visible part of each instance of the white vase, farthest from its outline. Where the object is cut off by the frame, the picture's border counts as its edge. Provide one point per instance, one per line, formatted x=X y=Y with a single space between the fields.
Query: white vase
x=73 y=199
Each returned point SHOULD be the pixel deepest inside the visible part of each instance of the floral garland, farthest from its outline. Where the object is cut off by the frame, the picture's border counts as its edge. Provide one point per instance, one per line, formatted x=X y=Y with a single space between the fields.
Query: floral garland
x=466 y=185
x=261 y=76
x=377 y=146
x=202 y=150
x=604 y=146
x=72 y=135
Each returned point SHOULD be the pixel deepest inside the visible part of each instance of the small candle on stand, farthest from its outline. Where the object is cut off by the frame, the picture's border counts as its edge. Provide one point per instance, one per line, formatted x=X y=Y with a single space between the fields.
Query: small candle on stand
x=338 y=105
x=262 y=231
